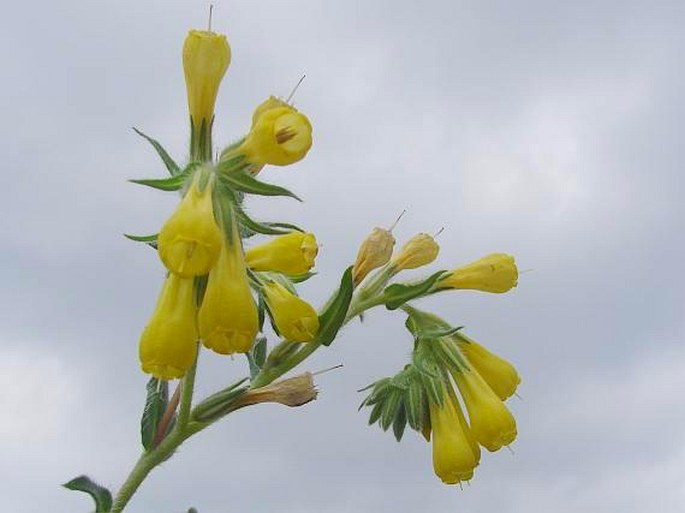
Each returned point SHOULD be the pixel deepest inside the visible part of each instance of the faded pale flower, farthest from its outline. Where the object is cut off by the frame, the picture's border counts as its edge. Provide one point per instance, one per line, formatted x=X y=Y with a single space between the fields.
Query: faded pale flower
x=418 y=251
x=292 y=254
x=493 y=273
x=280 y=136
x=374 y=252
x=190 y=241
x=295 y=319
x=492 y=424
x=498 y=373
x=206 y=56
x=455 y=451
x=228 y=317
x=168 y=344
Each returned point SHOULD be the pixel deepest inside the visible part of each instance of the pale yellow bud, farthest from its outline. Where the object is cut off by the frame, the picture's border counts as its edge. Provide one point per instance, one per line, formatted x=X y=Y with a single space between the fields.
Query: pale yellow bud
x=420 y=250
x=493 y=273
x=374 y=252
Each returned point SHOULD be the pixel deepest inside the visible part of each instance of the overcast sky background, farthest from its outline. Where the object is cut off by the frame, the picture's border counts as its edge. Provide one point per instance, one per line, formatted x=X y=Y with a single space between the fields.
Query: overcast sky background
x=549 y=130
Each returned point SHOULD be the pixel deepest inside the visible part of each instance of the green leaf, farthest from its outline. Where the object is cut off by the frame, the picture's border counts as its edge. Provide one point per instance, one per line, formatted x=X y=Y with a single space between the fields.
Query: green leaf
x=397 y=294
x=171 y=166
x=259 y=351
x=390 y=406
x=333 y=317
x=376 y=413
x=246 y=183
x=399 y=422
x=100 y=494
x=175 y=183
x=257 y=227
x=155 y=404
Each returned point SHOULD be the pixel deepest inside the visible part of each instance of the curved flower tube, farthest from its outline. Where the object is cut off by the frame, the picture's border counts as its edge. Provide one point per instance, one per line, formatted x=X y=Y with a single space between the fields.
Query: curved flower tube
x=292 y=254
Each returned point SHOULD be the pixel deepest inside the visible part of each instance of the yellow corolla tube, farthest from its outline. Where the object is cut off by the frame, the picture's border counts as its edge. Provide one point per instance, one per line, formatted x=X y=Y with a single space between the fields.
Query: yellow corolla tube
x=493 y=273
x=418 y=251
x=455 y=451
x=206 y=56
x=295 y=319
x=291 y=254
x=492 y=424
x=228 y=317
x=498 y=373
x=168 y=344
x=190 y=241
x=280 y=136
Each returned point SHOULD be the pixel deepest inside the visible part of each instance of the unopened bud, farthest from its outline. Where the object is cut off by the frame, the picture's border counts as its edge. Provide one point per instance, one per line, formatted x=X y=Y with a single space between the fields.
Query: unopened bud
x=374 y=252
x=420 y=250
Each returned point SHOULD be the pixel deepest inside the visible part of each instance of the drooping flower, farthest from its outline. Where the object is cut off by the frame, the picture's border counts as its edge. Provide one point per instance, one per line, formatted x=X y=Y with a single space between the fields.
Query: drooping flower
x=270 y=103
x=493 y=273
x=291 y=254
x=455 y=452
x=190 y=241
x=168 y=344
x=418 y=251
x=206 y=56
x=228 y=317
x=295 y=319
x=492 y=424
x=499 y=374
x=280 y=136
x=374 y=252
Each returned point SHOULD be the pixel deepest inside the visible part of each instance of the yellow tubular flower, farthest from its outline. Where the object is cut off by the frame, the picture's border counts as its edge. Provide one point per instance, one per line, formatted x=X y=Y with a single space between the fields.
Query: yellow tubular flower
x=374 y=252
x=294 y=318
x=291 y=254
x=420 y=250
x=228 y=318
x=493 y=273
x=281 y=136
x=190 y=241
x=498 y=373
x=168 y=344
x=270 y=103
x=206 y=56
x=455 y=452
x=492 y=424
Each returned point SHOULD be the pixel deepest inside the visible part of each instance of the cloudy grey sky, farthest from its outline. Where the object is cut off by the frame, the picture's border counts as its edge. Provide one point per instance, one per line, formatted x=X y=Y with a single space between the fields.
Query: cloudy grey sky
x=549 y=130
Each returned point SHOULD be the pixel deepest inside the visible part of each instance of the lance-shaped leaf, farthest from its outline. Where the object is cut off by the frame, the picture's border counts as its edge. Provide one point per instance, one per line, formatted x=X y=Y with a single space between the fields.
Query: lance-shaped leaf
x=100 y=494
x=171 y=166
x=173 y=183
x=258 y=227
x=244 y=182
x=150 y=240
x=333 y=316
x=156 y=403
x=397 y=294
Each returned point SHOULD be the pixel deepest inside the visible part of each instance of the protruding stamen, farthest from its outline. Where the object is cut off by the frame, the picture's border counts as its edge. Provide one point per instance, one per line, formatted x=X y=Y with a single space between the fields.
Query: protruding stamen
x=292 y=93
x=397 y=220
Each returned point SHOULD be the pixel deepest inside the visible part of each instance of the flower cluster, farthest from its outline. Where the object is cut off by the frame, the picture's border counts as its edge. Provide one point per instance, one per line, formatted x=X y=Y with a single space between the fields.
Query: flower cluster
x=213 y=287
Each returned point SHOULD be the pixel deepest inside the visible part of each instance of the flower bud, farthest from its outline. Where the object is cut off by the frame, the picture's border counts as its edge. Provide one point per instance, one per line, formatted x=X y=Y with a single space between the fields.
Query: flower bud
x=291 y=254
x=190 y=241
x=292 y=392
x=270 y=103
x=206 y=56
x=295 y=319
x=492 y=424
x=374 y=252
x=228 y=317
x=420 y=250
x=498 y=373
x=455 y=451
x=280 y=136
x=168 y=344
x=493 y=273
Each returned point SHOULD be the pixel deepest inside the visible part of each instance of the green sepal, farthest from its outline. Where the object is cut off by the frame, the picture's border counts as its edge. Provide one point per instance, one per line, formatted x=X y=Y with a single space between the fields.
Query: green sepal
x=416 y=405
x=280 y=353
x=150 y=240
x=234 y=164
x=258 y=227
x=256 y=356
x=244 y=182
x=395 y=295
x=302 y=277
x=101 y=495
x=156 y=402
x=333 y=316
x=171 y=166
x=173 y=183
x=390 y=406
x=219 y=404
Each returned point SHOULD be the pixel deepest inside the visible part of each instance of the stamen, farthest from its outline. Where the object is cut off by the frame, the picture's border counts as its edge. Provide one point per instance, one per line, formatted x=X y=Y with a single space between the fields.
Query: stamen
x=285 y=134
